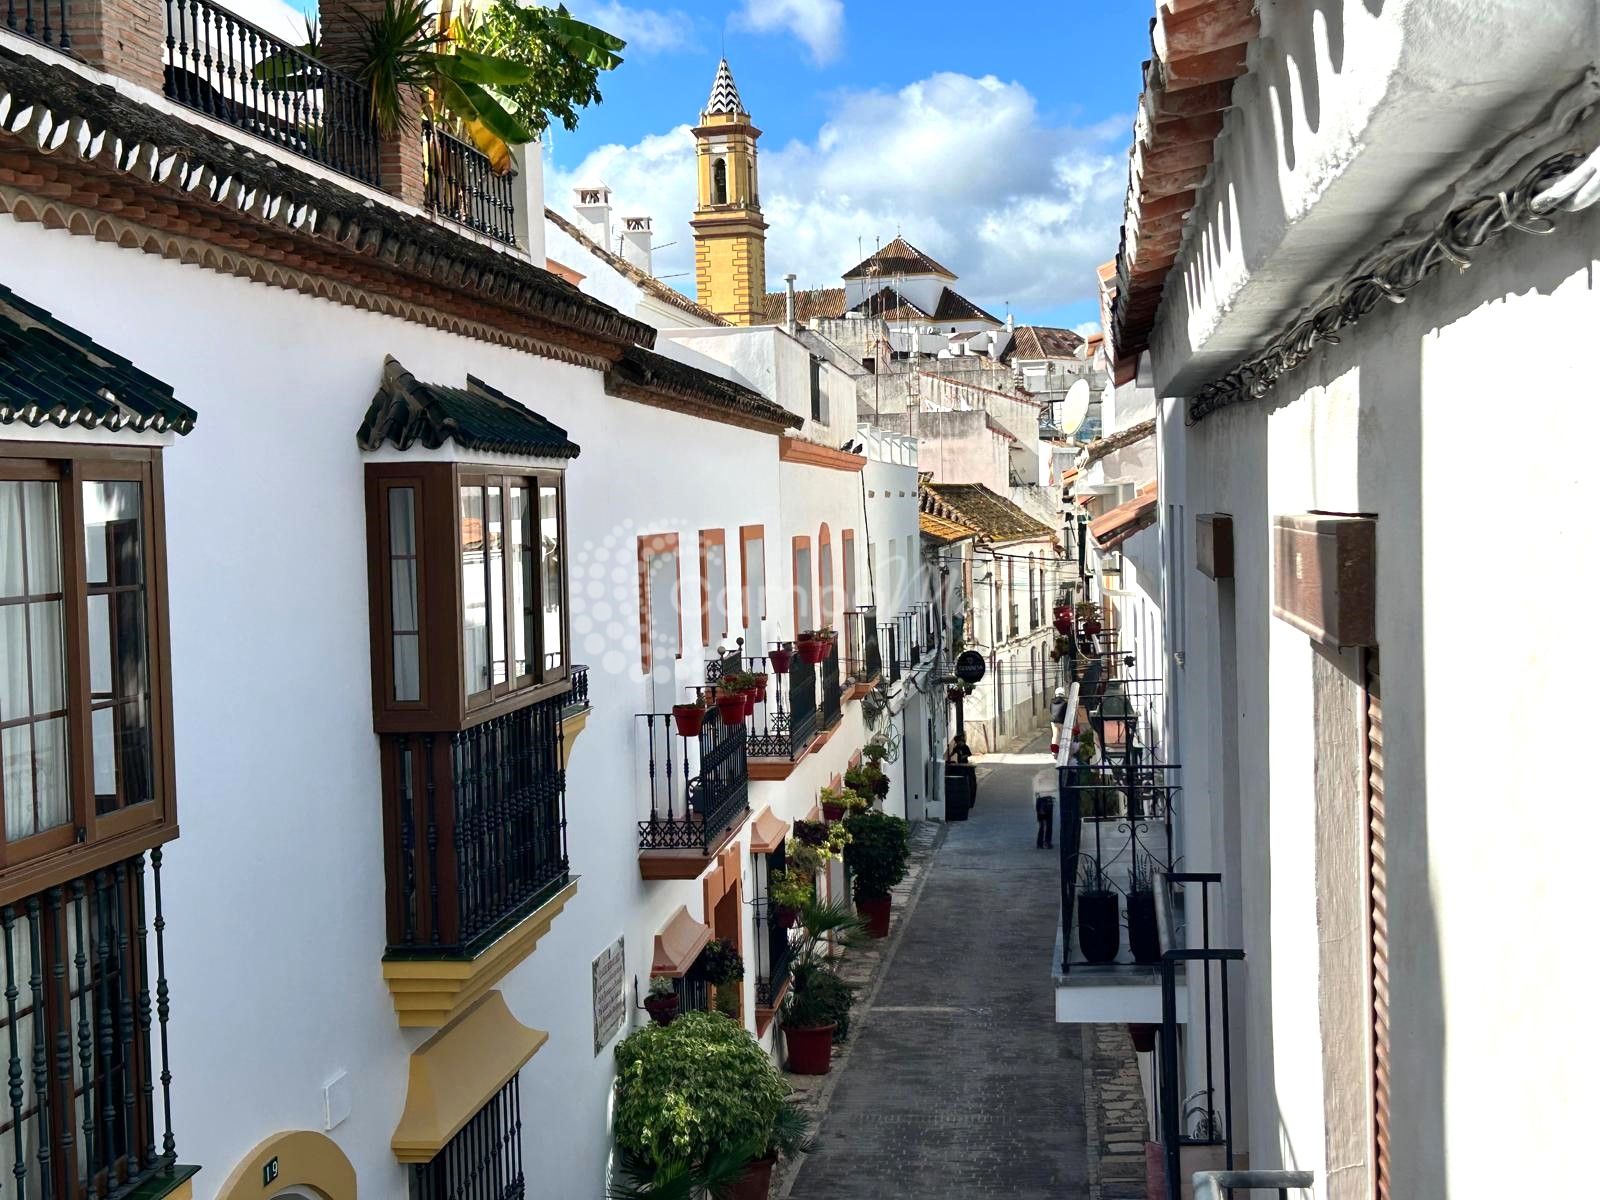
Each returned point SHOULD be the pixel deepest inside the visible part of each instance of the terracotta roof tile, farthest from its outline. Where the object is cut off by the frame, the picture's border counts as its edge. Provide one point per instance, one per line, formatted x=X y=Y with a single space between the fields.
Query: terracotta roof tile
x=827 y=303
x=644 y=374
x=1111 y=529
x=477 y=417
x=1100 y=447
x=992 y=515
x=899 y=257
x=1043 y=341
x=953 y=306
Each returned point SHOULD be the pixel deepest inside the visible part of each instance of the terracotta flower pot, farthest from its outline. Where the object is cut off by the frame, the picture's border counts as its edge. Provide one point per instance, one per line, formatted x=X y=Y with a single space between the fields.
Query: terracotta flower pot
x=781 y=659
x=731 y=707
x=756 y=1182
x=1063 y=625
x=1091 y=627
x=876 y=911
x=810 y=1050
x=812 y=650
x=788 y=917
x=752 y=697
x=689 y=718
x=833 y=812
x=661 y=1008
x=1144 y=1037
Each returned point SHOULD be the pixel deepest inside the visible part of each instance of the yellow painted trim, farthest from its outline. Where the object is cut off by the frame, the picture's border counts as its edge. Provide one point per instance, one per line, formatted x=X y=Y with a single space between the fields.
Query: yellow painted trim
x=430 y=992
x=457 y=1071
x=184 y=1191
x=571 y=726
x=305 y=1160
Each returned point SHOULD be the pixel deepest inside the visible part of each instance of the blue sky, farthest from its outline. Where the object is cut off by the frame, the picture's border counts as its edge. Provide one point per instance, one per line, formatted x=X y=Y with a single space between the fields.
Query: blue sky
x=992 y=136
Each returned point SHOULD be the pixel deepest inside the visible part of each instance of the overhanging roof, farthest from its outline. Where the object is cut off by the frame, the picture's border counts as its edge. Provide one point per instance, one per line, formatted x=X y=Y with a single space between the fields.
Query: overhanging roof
x=988 y=513
x=476 y=417
x=50 y=373
x=653 y=378
x=1111 y=529
x=1121 y=440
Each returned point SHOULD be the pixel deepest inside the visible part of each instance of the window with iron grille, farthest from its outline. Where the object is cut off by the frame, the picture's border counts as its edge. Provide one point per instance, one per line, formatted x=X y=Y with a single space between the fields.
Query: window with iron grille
x=483 y=1161
x=76 y=1024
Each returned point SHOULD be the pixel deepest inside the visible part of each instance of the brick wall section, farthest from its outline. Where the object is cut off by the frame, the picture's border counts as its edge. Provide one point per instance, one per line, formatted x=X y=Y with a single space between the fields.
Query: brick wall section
x=125 y=37
x=401 y=168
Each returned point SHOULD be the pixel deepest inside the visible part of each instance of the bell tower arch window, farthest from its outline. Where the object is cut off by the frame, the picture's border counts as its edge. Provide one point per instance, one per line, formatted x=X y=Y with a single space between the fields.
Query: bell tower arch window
x=719 y=181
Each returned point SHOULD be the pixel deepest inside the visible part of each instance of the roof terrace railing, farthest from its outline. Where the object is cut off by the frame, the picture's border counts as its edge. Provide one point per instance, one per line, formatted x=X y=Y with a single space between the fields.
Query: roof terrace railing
x=44 y=21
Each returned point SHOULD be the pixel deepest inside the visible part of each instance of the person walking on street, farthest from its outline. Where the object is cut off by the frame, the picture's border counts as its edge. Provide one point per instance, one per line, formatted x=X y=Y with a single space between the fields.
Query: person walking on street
x=961 y=755
x=1044 y=807
x=1058 y=718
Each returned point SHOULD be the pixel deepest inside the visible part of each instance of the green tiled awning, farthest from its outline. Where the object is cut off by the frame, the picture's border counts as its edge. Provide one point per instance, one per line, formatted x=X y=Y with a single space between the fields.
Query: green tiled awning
x=52 y=374
x=477 y=417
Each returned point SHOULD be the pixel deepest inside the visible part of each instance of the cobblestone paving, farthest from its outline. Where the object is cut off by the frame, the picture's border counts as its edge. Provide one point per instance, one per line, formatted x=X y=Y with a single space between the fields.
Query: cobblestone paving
x=1116 y=1113
x=958 y=1083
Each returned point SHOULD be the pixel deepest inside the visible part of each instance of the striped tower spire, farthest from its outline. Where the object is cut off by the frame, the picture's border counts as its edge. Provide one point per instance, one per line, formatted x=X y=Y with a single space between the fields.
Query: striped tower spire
x=725 y=93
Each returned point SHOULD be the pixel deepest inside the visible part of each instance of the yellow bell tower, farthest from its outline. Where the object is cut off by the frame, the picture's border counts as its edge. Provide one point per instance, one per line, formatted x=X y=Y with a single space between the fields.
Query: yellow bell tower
x=730 y=238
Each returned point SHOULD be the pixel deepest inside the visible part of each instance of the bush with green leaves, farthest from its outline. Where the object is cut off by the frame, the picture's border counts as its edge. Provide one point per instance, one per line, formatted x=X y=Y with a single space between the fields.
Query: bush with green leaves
x=721 y=963
x=818 y=997
x=791 y=889
x=693 y=1090
x=878 y=852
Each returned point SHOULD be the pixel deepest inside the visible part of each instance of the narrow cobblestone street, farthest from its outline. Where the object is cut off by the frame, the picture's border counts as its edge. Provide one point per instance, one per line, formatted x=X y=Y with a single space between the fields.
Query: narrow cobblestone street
x=958 y=1083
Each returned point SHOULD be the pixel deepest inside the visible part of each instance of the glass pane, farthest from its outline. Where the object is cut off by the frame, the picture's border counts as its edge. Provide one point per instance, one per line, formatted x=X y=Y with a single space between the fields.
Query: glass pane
x=520 y=567
x=474 y=613
x=10 y=539
x=14 y=662
x=119 y=648
x=403 y=595
x=402 y=521
x=100 y=645
x=16 y=776
x=47 y=638
x=50 y=772
x=42 y=537
x=496 y=551
x=103 y=733
x=407 y=667
x=551 y=572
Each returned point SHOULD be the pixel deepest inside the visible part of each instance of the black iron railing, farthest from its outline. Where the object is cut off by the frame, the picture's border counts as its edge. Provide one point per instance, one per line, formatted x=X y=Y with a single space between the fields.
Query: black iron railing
x=699 y=786
x=774 y=948
x=1126 y=714
x=484 y=1160
x=1116 y=832
x=578 y=697
x=85 y=1020
x=1193 y=1112
x=464 y=187
x=42 y=20
x=227 y=68
x=478 y=828
x=830 y=699
x=786 y=720
x=894 y=650
x=862 y=658
x=693 y=990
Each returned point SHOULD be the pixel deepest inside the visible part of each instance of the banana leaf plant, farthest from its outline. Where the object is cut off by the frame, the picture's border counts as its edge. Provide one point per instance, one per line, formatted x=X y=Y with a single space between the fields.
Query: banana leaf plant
x=479 y=76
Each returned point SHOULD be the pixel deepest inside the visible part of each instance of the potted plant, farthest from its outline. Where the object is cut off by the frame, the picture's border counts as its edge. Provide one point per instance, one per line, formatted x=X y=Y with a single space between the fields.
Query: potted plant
x=879 y=849
x=689 y=718
x=697 y=1106
x=1099 y=926
x=723 y=968
x=781 y=656
x=661 y=1002
x=731 y=702
x=789 y=891
x=875 y=752
x=1143 y=937
x=812 y=647
x=833 y=804
x=816 y=1011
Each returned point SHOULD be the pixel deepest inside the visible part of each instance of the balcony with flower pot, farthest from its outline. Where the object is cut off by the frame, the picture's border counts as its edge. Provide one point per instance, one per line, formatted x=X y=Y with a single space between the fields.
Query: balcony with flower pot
x=697 y=778
x=783 y=720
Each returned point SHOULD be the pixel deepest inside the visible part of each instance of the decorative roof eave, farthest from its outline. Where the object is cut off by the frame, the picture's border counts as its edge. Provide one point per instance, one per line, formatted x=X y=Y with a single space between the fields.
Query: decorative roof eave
x=1115 y=526
x=1100 y=447
x=66 y=119
x=943 y=531
x=654 y=379
x=643 y=279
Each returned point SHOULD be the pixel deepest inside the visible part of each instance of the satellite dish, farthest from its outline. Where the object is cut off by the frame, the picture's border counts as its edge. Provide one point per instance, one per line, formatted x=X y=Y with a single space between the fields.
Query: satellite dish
x=1075 y=407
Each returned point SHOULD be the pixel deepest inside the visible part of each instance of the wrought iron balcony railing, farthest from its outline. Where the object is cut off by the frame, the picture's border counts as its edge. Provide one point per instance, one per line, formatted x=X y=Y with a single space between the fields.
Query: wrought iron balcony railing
x=786 y=721
x=85 y=1016
x=578 y=697
x=42 y=20
x=699 y=786
x=863 y=660
x=830 y=701
x=477 y=827
x=894 y=637
x=774 y=954
x=222 y=65
x=464 y=187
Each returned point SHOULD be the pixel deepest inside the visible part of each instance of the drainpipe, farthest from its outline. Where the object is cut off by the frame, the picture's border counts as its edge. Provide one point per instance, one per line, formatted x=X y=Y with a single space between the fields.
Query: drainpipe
x=788 y=302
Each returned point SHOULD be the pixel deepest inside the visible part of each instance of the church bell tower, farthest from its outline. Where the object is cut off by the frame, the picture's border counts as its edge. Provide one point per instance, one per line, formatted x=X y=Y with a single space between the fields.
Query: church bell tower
x=730 y=238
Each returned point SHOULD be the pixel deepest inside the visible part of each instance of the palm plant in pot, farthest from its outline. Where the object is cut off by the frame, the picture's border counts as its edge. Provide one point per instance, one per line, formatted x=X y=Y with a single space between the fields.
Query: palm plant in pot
x=700 y=1110
x=1144 y=939
x=879 y=850
x=1099 y=924
x=816 y=1011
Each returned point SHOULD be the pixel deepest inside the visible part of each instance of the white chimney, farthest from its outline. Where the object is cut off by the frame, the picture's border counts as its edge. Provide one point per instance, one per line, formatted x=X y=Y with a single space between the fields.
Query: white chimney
x=636 y=240
x=528 y=189
x=788 y=302
x=594 y=214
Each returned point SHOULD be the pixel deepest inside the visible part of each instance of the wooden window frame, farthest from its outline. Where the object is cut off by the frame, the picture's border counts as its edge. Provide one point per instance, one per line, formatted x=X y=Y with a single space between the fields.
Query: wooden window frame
x=800 y=542
x=749 y=534
x=88 y=841
x=652 y=545
x=444 y=704
x=708 y=539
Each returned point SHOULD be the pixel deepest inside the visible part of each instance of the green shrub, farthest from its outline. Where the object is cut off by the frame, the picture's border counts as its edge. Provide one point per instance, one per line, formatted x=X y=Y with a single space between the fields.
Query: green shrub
x=817 y=997
x=878 y=852
x=693 y=1090
x=720 y=962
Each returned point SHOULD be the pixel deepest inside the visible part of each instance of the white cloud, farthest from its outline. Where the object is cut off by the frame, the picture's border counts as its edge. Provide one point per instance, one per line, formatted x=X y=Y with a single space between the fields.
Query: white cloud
x=1021 y=209
x=646 y=30
x=275 y=16
x=817 y=23
x=1086 y=329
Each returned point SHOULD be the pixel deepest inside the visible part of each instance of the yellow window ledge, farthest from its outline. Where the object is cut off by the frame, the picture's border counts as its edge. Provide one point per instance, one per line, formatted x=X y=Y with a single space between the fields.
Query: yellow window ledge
x=429 y=993
x=457 y=1071
x=572 y=725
